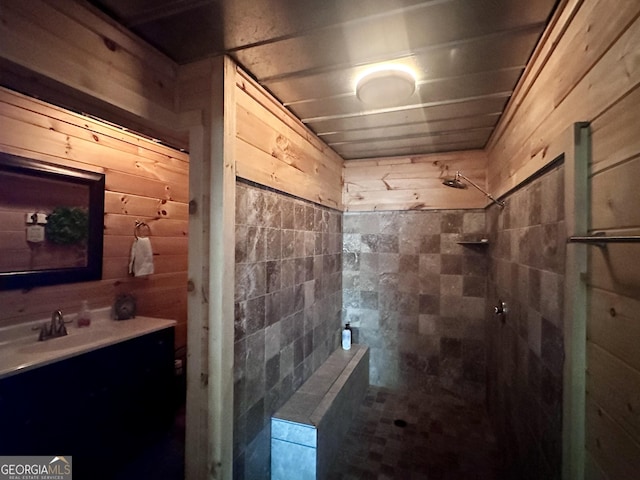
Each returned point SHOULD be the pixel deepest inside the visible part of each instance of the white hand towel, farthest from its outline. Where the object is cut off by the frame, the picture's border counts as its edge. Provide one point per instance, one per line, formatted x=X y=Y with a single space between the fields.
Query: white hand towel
x=141 y=262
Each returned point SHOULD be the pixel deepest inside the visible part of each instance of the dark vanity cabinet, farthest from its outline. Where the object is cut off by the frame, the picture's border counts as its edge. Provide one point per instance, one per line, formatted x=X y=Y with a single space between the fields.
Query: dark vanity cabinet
x=100 y=407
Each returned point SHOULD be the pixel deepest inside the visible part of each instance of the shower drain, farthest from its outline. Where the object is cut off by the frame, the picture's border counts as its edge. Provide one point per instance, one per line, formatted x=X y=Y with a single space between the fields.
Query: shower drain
x=400 y=423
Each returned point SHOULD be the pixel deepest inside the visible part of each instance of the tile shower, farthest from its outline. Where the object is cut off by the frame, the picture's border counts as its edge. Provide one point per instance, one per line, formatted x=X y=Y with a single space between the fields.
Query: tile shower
x=287 y=310
x=525 y=353
x=421 y=300
x=416 y=297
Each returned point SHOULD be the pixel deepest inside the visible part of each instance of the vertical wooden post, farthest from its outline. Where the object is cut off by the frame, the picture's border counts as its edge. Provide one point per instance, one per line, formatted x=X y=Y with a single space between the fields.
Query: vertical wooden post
x=209 y=436
x=222 y=270
x=577 y=161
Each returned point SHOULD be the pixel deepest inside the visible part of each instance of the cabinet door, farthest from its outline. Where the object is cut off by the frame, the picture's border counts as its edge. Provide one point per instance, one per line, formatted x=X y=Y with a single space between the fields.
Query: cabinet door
x=99 y=407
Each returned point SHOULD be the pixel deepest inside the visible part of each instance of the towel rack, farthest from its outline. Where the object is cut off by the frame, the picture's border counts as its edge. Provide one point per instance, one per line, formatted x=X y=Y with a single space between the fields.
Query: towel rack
x=141 y=229
x=601 y=240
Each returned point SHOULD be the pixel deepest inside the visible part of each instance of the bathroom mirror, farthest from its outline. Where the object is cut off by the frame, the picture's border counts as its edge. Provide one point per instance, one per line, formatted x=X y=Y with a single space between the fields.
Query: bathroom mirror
x=51 y=223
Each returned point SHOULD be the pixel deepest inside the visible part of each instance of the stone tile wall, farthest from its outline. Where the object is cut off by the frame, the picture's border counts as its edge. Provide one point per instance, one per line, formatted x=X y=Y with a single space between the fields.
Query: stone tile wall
x=287 y=311
x=417 y=298
x=525 y=354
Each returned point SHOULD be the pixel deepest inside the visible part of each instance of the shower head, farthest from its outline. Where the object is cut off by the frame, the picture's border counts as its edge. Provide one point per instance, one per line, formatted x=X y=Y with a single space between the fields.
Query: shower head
x=456 y=182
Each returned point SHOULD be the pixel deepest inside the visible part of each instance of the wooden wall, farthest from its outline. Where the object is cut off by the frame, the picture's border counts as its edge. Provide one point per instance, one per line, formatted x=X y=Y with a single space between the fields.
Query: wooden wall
x=586 y=63
x=275 y=149
x=588 y=69
x=413 y=183
x=613 y=320
x=144 y=180
x=70 y=54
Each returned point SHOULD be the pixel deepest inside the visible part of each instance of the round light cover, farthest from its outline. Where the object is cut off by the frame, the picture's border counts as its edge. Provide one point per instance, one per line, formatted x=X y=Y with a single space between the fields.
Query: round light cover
x=386 y=87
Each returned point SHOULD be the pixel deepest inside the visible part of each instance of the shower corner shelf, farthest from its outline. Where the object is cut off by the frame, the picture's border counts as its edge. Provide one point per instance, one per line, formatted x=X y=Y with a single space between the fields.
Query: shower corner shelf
x=482 y=241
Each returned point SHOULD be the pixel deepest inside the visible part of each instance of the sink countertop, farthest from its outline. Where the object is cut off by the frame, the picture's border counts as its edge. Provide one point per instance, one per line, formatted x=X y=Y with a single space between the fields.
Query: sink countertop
x=20 y=349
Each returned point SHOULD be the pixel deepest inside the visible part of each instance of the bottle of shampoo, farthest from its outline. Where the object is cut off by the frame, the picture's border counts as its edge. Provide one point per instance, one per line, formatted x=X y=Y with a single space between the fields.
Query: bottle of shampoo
x=84 y=316
x=346 y=337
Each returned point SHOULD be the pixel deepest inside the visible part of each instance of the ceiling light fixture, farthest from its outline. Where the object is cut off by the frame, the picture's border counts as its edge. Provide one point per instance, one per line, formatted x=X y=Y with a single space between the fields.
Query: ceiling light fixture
x=386 y=85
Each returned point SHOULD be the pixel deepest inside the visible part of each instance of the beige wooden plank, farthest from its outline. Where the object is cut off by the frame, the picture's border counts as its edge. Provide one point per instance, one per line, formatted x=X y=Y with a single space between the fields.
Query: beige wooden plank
x=614 y=192
x=573 y=143
x=615 y=387
x=210 y=385
x=545 y=48
x=473 y=164
x=287 y=149
x=158 y=300
x=118 y=267
x=611 y=447
x=120 y=245
x=247 y=85
x=14 y=259
x=266 y=170
x=12 y=220
x=69 y=122
x=392 y=179
x=599 y=28
x=32 y=138
x=49 y=48
x=132 y=184
x=126 y=204
x=615 y=134
x=446 y=164
x=27 y=305
x=612 y=267
x=609 y=80
x=539 y=101
x=105 y=27
x=115 y=224
x=413 y=182
x=415 y=200
x=614 y=324
x=32 y=113
x=45 y=157
x=290 y=153
x=394 y=182
x=52 y=35
x=194 y=85
x=18 y=78
x=593 y=471
x=13 y=240
x=41 y=256
x=425 y=185
x=257 y=125
x=407 y=206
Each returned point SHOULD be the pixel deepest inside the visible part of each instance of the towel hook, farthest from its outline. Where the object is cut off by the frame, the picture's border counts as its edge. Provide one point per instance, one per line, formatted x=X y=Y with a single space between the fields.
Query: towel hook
x=141 y=229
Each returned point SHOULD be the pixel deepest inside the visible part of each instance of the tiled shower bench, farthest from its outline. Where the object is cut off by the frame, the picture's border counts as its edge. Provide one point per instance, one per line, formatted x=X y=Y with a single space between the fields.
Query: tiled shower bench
x=307 y=431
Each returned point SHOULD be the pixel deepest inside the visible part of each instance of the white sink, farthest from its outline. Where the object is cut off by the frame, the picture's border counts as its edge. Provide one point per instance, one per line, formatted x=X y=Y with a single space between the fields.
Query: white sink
x=79 y=337
x=20 y=349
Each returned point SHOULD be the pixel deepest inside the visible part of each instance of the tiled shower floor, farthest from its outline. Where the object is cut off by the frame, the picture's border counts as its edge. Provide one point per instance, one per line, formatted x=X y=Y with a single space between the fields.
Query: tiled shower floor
x=444 y=439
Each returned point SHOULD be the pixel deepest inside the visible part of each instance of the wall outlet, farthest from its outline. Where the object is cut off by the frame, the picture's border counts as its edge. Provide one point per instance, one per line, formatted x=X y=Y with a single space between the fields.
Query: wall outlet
x=33 y=218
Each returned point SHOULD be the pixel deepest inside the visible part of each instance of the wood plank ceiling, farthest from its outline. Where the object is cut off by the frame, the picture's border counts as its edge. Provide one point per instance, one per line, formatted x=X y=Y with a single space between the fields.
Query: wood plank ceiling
x=467 y=55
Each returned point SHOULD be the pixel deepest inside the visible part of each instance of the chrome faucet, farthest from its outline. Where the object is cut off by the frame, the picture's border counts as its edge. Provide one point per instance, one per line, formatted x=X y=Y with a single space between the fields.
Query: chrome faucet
x=53 y=329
